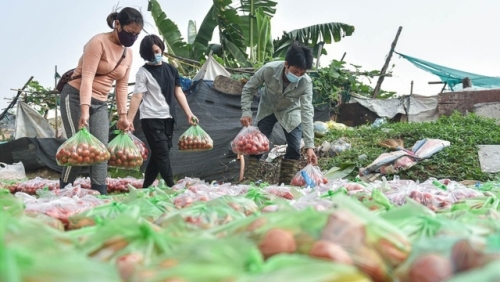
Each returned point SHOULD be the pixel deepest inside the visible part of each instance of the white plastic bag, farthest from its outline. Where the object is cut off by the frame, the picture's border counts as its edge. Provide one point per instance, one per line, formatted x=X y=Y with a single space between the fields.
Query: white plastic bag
x=12 y=172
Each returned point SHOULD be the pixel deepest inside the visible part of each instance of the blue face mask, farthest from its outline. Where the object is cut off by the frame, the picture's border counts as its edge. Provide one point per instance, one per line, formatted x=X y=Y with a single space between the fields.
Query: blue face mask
x=292 y=77
x=158 y=58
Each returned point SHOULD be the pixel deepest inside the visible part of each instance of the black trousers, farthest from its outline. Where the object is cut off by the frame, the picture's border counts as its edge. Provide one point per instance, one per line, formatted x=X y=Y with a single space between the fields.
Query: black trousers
x=158 y=133
x=293 y=137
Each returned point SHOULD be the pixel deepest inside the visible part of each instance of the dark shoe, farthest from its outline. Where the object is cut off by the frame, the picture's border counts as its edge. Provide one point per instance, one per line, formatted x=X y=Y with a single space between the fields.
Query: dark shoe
x=62 y=184
x=288 y=170
x=102 y=189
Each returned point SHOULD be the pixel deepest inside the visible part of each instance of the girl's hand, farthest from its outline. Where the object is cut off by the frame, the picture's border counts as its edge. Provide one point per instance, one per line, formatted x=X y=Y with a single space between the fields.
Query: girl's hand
x=193 y=120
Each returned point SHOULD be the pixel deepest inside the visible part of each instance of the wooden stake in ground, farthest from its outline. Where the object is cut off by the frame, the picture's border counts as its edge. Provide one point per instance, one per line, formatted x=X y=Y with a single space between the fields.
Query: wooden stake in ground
x=386 y=65
x=14 y=101
x=56 y=96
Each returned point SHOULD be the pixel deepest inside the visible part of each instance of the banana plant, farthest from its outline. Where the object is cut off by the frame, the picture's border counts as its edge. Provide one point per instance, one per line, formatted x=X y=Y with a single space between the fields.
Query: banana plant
x=191 y=32
x=313 y=36
x=243 y=25
x=248 y=10
x=264 y=47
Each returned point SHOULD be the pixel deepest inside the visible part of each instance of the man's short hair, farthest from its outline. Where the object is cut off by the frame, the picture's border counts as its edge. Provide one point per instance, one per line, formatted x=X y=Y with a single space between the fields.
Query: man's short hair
x=299 y=56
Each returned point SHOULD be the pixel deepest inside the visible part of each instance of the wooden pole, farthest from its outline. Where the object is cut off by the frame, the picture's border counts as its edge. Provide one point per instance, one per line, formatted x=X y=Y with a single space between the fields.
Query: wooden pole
x=14 y=101
x=55 y=85
x=343 y=56
x=444 y=87
x=386 y=65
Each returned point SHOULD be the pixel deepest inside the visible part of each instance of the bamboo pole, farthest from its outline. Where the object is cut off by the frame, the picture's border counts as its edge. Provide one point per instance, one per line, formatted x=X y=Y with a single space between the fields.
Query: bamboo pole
x=386 y=65
x=55 y=85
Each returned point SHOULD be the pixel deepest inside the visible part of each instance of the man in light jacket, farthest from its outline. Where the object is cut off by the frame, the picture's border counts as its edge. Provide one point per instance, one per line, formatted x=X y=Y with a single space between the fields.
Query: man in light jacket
x=286 y=98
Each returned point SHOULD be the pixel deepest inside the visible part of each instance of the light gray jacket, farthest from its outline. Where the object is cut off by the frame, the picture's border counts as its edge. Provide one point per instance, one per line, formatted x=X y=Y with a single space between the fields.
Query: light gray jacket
x=291 y=107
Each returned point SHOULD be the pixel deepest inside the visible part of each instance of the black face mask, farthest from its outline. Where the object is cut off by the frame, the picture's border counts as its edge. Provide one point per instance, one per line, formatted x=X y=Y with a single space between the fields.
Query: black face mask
x=126 y=39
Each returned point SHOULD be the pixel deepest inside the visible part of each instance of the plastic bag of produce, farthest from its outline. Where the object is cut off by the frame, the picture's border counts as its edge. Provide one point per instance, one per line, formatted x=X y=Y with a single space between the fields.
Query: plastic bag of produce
x=33 y=234
x=124 y=153
x=147 y=208
x=120 y=185
x=320 y=129
x=209 y=259
x=74 y=191
x=486 y=216
x=10 y=204
x=238 y=203
x=418 y=222
x=141 y=146
x=439 y=258
x=126 y=235
x=185 y=273
x=298 y=268
x=101 y=213
x=82 y=149
x=250 y=141
x=260 y=196
x=488 y=273
x=33 y=185
x=374 y=244
x=10 y=185
x=47 y=220
x=12 y=172
x=62 y=208
x=195 y=139
x=283 y=231
x=309 y=176
x=282 y=191
x=203 y=215
x=42 y=260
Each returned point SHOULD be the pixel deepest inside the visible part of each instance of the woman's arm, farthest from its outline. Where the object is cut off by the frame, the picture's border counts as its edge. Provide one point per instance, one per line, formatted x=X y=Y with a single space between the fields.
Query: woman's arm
x=92 y=53
x=181 y=99
x=121 y=100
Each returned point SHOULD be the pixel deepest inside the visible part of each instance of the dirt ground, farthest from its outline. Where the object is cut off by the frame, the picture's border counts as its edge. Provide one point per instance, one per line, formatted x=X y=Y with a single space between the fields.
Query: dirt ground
x=46 y=173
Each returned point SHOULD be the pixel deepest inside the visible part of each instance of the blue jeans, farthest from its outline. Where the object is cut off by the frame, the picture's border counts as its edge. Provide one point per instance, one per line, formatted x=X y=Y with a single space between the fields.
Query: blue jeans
x=293 y=137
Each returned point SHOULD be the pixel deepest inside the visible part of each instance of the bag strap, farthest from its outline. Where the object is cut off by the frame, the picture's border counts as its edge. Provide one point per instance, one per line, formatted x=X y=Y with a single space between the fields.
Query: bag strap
x=117 y=64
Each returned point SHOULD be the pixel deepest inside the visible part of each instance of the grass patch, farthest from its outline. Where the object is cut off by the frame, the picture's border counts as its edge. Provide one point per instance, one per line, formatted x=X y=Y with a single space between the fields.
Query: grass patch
x=458 y=162
x=122 y=173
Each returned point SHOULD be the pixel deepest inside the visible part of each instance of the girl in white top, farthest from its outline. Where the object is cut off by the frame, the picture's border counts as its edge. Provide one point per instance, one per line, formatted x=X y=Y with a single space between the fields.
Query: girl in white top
x=157 y=84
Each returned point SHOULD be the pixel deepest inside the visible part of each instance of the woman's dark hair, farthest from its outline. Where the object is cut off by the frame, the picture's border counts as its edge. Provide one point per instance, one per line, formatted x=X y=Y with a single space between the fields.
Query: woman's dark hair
x=126 y=16
x=146 y=49
x=299 y=56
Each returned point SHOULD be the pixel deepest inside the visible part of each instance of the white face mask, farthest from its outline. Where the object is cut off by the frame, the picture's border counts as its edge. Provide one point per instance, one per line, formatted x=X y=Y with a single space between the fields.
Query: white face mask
x=292 y=77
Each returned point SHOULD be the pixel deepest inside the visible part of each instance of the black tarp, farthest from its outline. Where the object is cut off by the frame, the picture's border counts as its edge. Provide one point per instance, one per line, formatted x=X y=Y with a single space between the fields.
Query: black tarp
x=34 y=153
x=219 y=116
